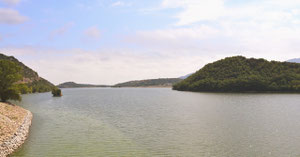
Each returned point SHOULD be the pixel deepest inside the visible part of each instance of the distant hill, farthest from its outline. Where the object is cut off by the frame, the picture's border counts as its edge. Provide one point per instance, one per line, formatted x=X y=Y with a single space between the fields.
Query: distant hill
x=162 y=82
x=240 y=74
x=76 y=85
x=186 y=76
x=30 y=77
x=296 y=60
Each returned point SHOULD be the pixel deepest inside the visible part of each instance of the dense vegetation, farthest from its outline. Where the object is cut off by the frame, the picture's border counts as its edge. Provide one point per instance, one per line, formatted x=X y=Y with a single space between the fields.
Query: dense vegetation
x=76 y=85
x=41 y=85
x=31 y=80
x=239 y=74
x=9 y=75
x=56 y=92
x=162 y=82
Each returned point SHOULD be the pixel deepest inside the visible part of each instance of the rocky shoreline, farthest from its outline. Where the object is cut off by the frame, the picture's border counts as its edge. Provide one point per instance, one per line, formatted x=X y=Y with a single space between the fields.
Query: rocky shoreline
x=18 y=138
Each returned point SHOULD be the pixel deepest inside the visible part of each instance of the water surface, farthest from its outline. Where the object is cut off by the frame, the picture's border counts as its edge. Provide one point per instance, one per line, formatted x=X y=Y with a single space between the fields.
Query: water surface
x=160 y=122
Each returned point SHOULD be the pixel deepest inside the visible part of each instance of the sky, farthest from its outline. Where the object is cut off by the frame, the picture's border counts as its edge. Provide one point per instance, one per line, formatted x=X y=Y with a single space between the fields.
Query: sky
x=112 y=41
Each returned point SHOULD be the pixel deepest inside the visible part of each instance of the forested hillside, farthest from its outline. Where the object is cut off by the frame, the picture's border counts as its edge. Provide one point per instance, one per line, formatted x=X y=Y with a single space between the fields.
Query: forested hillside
x=30 y=78
x=239 y=74
x=76 y=85
x=162 y=82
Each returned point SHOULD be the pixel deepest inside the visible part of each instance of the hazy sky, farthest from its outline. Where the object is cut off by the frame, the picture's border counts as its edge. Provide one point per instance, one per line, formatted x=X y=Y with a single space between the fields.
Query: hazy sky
x=111 y=41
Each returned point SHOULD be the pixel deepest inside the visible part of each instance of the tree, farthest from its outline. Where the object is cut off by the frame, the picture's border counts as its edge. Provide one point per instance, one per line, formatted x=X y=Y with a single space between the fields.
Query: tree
x=9 y=75
x=23 y=88
x=56 y=92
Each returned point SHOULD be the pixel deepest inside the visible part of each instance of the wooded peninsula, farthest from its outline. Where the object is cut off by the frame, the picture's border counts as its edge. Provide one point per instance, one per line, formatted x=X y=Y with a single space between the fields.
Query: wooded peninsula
x=240 y=74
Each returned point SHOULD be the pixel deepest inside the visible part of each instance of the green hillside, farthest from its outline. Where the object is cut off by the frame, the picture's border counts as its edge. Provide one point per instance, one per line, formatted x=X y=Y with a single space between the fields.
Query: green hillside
x=162 y=82
x=30 y=77
x=239 y=74
x=76 y=85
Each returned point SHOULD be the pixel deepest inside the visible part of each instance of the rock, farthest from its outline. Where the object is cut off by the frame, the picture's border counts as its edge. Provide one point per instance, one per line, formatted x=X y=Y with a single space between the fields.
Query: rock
x=9 y=146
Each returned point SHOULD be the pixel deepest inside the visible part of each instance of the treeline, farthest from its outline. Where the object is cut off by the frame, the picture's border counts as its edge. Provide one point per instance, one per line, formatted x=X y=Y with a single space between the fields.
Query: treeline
x=162 y=82
x=76 y=85
x=38 y=86
x=239 y=74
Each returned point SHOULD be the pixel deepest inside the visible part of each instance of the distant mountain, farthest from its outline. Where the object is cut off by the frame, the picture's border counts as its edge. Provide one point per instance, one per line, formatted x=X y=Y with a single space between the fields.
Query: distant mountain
x=162 y=82
x=186 y=76
x=30 y=77
x=296 y=60
x=76 y=85
x=240 y=74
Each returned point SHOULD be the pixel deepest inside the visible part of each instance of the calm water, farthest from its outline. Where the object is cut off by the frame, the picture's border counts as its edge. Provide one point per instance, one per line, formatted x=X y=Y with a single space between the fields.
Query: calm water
x=161 y=122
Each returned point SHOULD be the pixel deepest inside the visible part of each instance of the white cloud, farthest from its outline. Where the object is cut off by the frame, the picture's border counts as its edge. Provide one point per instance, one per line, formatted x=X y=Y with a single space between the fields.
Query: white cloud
x=117 y=3
x=174 y=39
x=92 y=33
x=195 y=10
x=252 y=40
x=285 y=3
x=18 y=51
x=105 y=66
x=199 y=32
x=11 y=2
x=61 y=30
x=267 y=29
x=10 y=16
x=205 y=31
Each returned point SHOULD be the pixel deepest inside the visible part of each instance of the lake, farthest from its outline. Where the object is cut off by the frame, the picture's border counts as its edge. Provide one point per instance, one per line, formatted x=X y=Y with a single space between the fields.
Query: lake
x=115 y=122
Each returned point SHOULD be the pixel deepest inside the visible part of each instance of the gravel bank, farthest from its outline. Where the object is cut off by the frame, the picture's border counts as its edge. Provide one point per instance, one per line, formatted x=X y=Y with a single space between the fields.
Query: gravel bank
x=14 y=127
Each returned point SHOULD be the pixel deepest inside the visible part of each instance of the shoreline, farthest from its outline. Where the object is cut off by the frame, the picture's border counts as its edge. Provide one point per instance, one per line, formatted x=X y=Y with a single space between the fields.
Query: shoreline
x=119 y=87
x=144 y=87
x=15 y=140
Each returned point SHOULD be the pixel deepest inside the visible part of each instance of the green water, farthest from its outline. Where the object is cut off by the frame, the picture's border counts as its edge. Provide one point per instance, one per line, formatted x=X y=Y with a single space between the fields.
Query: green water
x=160 y=122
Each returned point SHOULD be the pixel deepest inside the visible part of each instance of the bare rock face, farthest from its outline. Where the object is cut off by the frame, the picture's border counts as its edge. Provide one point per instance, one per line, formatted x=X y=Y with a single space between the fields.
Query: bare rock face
x=18 y=138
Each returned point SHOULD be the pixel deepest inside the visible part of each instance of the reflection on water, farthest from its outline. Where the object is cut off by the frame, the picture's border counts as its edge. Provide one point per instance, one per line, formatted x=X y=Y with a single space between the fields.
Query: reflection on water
x=161 y=122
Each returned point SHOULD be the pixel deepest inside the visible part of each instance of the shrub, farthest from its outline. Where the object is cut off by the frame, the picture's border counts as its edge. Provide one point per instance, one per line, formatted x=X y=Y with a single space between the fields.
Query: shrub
x=56 y=92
